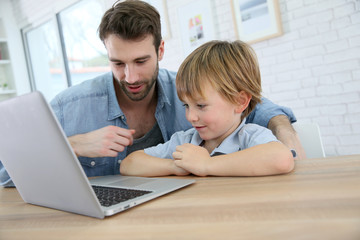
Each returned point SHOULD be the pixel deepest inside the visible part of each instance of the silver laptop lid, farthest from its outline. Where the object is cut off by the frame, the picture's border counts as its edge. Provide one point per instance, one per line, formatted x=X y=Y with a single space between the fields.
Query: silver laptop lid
x=33 y=147
x=46 y=172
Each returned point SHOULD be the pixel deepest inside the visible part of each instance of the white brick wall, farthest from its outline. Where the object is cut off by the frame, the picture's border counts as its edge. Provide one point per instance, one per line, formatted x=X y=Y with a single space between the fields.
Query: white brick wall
x=312 y=68
x=326 y=48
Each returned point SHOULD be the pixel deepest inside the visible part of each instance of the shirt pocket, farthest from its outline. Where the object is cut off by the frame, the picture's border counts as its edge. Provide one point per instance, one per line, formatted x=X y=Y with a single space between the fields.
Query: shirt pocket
x=95 y=166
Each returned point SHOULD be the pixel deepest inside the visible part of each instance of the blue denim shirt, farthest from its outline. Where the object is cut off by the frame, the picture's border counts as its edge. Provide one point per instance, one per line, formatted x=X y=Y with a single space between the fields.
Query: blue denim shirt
x=93 y=104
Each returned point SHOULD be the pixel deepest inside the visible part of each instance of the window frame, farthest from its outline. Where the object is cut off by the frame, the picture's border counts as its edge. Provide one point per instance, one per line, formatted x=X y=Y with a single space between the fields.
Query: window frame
x=65 y=67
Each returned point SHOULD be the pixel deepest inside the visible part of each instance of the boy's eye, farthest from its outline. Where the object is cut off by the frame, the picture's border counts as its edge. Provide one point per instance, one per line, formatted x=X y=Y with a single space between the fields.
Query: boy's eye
x=201 y=106
x=186 y=105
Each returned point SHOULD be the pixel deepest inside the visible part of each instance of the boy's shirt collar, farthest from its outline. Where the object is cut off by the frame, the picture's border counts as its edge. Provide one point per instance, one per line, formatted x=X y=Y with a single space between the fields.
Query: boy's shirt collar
x=229 y=145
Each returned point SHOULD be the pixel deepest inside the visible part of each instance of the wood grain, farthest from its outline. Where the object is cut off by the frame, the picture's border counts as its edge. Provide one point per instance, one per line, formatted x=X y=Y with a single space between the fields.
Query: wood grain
x=320 y=199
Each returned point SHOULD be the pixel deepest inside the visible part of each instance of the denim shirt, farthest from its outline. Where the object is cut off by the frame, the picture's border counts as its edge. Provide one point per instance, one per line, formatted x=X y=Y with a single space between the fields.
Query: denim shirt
x=92 y=105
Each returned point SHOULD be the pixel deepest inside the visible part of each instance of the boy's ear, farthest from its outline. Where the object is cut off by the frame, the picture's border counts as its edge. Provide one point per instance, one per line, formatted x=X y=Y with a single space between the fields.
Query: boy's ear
x=243 y=101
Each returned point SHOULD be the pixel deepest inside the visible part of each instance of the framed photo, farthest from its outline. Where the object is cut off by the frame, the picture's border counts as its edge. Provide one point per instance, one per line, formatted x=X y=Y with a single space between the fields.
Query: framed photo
x=257 y=20
x=160 y=5
x=196 y=24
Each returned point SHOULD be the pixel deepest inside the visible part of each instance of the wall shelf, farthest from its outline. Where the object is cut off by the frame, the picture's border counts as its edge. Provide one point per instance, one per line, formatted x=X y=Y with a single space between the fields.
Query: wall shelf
x=5 y=92
x=6 y=72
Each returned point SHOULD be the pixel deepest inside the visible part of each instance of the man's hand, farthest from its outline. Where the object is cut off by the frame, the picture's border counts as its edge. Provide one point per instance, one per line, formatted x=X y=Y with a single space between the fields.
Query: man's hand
x=104 y=142
x=283 y=130
x=192 y=158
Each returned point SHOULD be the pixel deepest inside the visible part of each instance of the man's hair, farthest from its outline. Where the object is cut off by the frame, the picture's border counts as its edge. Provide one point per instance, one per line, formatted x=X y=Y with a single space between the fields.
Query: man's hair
x=131 y=20
x=229 y=67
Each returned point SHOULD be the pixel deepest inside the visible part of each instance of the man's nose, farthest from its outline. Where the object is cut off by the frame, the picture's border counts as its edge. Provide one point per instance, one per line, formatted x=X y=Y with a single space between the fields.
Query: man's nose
x=130 y=74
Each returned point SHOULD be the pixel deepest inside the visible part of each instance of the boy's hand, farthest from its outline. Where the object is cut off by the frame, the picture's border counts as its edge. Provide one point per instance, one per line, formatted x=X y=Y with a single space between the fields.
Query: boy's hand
x=192 y=158
x=178 y=171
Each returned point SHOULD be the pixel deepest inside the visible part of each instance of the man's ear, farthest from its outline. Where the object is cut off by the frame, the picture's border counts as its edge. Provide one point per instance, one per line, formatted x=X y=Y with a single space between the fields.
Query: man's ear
x=243 y=100
x=161 y=50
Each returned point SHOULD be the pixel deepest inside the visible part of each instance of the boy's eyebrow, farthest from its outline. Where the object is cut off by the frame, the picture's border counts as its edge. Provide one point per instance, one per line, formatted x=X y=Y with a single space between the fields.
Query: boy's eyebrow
x=194 y=98
x=136 y=59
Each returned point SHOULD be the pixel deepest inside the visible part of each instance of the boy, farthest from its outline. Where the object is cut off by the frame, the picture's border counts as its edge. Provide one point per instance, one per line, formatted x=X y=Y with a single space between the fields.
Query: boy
x=220 y=85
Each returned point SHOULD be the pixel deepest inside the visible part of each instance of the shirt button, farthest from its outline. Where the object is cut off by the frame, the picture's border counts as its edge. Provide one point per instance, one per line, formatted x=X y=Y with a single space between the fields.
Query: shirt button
x=122 y=117
x=119 y=161
x=92 y=163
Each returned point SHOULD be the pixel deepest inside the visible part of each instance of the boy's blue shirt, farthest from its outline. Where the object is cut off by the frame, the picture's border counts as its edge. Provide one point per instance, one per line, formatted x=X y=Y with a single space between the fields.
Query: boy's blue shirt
x=244 y=136
x=92 y=105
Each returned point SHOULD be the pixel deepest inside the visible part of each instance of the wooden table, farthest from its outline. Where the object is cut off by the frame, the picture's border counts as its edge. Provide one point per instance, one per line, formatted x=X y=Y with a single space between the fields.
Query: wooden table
x=319 y=200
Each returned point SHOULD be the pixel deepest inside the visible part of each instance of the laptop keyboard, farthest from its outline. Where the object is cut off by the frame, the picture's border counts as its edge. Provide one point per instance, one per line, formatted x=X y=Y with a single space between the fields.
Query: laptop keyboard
x=109 y=196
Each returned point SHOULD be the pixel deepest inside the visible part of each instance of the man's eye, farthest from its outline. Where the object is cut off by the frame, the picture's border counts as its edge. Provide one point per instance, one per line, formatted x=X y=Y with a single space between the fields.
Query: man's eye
x=141 y=62
x=119 y=64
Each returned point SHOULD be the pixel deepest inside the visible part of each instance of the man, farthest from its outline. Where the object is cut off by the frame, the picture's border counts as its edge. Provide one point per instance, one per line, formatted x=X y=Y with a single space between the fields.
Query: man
x=136 y=104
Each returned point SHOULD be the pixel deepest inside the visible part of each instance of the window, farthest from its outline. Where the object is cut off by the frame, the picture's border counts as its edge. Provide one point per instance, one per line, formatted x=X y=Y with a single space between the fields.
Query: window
x=46 y=62
x=67 y=50
x=86 y=54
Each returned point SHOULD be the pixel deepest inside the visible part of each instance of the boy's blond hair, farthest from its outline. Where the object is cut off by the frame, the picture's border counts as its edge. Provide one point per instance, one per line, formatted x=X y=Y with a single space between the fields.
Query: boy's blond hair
x=230 y=67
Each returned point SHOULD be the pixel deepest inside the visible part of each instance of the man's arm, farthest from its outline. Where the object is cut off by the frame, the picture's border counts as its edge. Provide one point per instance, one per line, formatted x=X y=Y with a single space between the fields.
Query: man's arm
x=266 y=110
x=103 y=142
x=5 y=179
x=284 y=131
x=278 y=119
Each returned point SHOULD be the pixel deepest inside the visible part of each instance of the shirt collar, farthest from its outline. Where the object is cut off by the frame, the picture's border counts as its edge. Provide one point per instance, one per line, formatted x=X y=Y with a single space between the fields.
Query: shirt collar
x=114 y=108
x=162 y=93
x=229 y=145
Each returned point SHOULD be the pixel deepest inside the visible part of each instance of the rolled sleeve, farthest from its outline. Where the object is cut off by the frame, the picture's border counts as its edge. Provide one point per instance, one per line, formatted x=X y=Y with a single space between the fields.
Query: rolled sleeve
x=5 y=179
x=266 y=110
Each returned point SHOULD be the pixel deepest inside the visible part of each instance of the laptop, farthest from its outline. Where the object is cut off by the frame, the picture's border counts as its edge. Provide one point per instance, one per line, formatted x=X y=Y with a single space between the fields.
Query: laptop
x=39 y=159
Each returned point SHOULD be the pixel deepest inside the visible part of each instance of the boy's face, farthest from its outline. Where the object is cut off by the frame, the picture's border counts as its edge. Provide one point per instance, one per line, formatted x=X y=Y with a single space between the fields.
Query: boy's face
x=134 y=64
x=212 y=116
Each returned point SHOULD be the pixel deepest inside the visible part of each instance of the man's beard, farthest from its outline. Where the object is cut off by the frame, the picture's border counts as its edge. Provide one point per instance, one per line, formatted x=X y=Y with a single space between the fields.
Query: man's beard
x=148 y=86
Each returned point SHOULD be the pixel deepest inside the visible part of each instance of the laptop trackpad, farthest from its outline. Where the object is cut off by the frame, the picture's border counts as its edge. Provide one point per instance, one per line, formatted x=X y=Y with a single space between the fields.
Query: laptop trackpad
x=131 y=182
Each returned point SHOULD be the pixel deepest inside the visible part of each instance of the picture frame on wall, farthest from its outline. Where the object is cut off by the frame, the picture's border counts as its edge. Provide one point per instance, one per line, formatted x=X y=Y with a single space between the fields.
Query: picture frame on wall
x=256 y=20
x=196 y=24
x=161 y=6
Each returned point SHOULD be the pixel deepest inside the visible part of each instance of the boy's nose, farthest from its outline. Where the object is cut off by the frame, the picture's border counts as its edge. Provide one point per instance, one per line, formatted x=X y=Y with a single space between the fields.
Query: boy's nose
x=191 y=115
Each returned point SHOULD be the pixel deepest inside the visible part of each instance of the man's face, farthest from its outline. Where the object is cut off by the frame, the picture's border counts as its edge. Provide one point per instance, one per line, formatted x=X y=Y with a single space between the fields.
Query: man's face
x=134 y=64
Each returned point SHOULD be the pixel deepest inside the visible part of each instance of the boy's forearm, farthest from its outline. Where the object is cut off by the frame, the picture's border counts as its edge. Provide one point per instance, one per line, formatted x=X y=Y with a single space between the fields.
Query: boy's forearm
x=261 y=160
x=140 y=164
